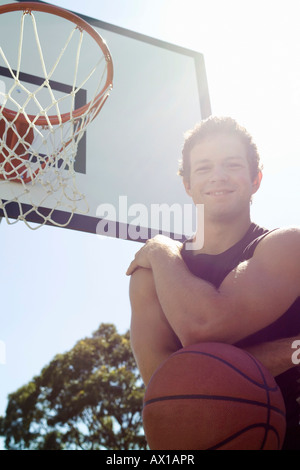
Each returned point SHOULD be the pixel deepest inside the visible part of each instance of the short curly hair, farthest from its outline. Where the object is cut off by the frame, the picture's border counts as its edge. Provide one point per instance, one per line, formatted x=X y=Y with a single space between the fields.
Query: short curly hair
x=218 y=125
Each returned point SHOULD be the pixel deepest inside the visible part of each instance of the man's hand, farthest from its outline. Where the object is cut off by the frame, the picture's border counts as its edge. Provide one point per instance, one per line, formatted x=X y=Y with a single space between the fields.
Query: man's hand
x=157 y=246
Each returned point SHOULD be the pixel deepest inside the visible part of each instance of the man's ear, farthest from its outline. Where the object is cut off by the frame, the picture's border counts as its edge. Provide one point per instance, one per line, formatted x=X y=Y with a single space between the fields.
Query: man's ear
x=187 y=187
x=256 y=182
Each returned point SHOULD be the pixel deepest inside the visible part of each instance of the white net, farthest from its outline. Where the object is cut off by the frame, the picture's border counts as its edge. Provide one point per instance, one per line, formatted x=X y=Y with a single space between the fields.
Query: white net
x=40 y=130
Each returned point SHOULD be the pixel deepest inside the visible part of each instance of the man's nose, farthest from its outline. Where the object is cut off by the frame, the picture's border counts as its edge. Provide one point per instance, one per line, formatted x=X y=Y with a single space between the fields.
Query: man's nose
x=218 y=174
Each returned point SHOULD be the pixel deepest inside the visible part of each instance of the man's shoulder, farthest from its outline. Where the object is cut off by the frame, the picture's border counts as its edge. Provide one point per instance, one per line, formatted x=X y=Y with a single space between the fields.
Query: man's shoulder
x=280 y=245
x=283 y=235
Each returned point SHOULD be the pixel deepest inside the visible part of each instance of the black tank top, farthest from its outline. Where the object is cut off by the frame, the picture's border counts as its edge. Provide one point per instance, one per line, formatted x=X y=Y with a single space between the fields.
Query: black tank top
x=214 y=269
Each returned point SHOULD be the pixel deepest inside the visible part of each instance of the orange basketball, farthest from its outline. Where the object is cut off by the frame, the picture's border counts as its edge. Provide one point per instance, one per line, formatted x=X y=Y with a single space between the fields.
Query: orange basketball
x=213 y=396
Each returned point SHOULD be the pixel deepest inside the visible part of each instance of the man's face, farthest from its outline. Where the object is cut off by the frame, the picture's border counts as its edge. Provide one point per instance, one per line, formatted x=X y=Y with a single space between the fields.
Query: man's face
x=220 y=176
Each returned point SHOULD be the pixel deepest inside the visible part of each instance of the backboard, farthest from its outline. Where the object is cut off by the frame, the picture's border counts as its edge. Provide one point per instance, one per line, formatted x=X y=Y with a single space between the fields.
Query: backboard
x=127 y=161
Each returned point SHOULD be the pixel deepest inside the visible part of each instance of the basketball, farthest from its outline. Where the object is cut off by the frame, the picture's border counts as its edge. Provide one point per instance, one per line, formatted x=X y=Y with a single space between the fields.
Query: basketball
x=213 y=396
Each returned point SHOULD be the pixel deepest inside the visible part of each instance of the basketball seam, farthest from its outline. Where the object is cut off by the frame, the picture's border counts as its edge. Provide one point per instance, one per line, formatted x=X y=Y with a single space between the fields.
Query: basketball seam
x=268 y=399
x=242 y=431
x=213 y=397
x=272 y=389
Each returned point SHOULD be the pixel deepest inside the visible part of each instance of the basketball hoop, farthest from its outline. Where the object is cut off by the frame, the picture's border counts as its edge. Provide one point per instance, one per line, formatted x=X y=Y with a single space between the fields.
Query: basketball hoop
x=38 y=148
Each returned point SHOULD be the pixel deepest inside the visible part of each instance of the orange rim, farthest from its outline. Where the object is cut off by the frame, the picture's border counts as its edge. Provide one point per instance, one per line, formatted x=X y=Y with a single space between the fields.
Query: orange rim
x=27 y=7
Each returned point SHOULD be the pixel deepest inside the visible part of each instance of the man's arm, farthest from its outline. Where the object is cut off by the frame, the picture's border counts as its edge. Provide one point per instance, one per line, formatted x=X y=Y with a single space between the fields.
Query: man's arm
x=276 y=356
x=250 y=298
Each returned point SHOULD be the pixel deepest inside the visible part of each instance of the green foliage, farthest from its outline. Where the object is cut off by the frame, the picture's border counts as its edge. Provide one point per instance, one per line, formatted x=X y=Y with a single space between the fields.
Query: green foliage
x=88 y=398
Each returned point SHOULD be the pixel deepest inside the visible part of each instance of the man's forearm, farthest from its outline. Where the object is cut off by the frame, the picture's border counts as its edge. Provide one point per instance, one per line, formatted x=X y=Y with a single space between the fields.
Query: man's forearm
x=185 y=299
x=276 y=356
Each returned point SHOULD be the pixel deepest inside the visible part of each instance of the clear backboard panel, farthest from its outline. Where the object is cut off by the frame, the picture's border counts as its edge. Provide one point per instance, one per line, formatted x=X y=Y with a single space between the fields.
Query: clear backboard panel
x=126 y=164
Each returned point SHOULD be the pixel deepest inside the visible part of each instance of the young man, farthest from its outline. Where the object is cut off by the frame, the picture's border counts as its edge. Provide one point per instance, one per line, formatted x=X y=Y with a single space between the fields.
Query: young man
x=242 y=287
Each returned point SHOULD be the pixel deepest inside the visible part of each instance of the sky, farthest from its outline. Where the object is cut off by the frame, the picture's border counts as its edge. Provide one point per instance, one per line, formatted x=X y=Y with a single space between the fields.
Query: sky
x=58 y=285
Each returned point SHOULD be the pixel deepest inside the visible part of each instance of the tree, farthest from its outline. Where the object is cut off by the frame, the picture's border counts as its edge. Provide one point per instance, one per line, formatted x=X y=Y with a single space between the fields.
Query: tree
x=87 y=398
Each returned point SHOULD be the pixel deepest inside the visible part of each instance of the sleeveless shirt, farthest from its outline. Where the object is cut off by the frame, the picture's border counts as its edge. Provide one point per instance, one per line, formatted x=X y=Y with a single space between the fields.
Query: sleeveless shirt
x=214 y=269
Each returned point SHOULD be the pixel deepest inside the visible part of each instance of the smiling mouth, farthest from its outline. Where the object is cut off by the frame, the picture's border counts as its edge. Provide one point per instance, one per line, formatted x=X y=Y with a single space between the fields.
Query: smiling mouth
x=221 y=192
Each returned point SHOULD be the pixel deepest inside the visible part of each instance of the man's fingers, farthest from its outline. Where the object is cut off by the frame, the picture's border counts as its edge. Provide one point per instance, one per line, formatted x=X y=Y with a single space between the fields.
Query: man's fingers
x=131 y=268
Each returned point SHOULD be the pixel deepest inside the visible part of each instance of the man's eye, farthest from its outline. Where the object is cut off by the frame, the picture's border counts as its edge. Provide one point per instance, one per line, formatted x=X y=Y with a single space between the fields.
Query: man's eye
x=202 y=168
x=235 y=165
